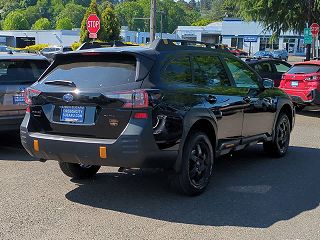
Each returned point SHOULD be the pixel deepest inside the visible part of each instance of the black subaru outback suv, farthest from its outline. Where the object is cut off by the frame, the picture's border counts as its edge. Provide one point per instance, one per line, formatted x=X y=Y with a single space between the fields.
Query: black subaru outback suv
x=175 y=105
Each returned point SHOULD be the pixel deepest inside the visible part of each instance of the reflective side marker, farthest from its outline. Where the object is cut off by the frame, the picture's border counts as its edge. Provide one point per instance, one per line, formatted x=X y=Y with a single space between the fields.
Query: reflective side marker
x=36 y=145
x=103 y=152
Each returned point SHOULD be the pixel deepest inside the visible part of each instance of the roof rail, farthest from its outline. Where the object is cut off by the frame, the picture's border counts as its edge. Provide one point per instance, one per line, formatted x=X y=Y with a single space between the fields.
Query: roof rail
x=166 y=44
x=90 y=45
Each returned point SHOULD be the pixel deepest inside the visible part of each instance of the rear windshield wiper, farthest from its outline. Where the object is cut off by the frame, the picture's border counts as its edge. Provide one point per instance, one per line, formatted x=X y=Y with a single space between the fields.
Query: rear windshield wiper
x=61 y=82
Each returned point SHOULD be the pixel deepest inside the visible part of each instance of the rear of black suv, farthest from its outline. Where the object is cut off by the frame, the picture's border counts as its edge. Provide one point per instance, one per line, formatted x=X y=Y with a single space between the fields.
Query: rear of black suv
x=170 y=106
x=88 y=109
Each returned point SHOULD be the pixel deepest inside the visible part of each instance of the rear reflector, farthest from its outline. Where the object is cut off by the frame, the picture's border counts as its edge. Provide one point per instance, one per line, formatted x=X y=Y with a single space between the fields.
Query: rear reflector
x=36 y=145
x=103 y=152
x=141 y=115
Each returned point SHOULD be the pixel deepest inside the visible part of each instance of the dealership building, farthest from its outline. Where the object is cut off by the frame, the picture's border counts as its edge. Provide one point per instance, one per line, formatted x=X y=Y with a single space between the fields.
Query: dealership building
x=249 y=36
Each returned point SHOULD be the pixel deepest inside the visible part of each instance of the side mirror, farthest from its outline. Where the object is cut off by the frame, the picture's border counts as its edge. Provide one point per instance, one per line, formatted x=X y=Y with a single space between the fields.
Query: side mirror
x=267 y=83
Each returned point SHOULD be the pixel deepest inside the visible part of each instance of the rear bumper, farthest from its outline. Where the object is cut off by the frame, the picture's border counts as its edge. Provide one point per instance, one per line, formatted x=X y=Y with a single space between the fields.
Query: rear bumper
x=134 y=148
x=304 y=97
x=10 y=123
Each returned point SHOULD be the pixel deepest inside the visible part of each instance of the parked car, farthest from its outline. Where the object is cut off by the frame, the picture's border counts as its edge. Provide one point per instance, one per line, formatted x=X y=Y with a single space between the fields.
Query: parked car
x=302 y=83
x=263 y=54
x=176 y=107
x=50 y=52
x=17 y=72
x=3 y=48
x=237 y=52
x=269 y=68
x=280 y=54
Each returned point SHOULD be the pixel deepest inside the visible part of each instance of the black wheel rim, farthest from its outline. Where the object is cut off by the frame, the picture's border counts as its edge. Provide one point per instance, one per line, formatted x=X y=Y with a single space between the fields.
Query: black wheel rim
x=283 y=135
x=85 y=166
x=200 y=164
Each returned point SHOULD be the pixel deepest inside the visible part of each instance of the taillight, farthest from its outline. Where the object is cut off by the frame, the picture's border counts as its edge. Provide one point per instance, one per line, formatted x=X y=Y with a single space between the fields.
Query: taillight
x=313 y=78
x=131 y=99
x=29 y=93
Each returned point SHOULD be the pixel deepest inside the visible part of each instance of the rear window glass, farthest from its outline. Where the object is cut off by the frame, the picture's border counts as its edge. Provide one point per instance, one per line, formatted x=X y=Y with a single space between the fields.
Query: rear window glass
x=22 y=71
x=96 y=72
x=304 y=69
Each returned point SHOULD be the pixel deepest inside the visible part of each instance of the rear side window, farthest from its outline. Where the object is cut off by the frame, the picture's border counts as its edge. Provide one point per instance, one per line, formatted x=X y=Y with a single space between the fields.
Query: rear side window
x=243 y=76
x=264 y=67
x=178 y=70
x=96 y=72
x=21 y=71
x=304 y=69
x=209 y=71
x=281 y=67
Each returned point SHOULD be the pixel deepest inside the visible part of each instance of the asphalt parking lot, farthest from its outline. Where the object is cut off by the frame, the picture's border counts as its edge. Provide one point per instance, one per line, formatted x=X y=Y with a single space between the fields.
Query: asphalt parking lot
x=250 y=196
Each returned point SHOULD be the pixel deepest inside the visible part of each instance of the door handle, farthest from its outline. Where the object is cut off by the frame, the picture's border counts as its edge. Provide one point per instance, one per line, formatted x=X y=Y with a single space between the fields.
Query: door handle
x=247 y=99
x=211 y=99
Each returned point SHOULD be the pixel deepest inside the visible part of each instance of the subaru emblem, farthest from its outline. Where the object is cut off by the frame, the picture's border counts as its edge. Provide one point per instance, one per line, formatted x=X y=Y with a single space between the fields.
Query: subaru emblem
x=67 y=97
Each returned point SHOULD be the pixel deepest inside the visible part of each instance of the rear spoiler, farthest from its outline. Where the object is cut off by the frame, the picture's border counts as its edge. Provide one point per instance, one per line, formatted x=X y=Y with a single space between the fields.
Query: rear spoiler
x=90 y=45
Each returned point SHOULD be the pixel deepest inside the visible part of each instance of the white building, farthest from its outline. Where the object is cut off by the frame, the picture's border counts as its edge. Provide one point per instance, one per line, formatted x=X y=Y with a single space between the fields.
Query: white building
x=142 y=37
x=210 y=33
x=237 y=33
x=22 y=38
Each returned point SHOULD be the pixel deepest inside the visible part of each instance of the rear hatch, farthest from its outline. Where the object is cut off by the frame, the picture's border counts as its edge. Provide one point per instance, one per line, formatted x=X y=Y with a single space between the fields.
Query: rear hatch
x=301 y=77
x=88 y=94
x=15 y=76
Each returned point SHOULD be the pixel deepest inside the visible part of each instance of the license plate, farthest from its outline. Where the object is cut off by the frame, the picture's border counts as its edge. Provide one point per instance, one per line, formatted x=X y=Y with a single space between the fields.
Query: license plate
x=294 y=84
x=18 y=99
x=74 y=114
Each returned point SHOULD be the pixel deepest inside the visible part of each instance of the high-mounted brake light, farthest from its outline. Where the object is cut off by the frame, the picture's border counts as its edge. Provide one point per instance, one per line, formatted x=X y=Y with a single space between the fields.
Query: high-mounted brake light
x=29 y=93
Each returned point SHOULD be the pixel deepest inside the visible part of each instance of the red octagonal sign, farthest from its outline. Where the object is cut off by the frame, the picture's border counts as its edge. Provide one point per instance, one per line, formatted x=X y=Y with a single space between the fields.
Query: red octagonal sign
x=93 y=25
x=314 y=29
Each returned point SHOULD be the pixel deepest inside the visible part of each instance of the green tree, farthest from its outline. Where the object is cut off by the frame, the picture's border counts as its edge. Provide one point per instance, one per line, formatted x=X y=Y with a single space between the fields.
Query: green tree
x=74 y=12
x=42 y=24
x=64 y=24
x=278 y=16
x=202 y=22
x=110 y=23
x=32 y=14
x=84 y=34
x=127 y=11
x=16 y=21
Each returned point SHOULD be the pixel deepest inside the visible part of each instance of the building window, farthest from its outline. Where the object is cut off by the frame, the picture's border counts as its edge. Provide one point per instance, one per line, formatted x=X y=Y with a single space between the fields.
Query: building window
x=237 y=43
x=142 y=39
x=266 y=43
x=128 y=38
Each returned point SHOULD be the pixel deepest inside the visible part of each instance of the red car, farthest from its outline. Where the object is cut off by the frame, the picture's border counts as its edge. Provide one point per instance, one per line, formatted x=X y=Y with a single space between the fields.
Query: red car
x=302 y=83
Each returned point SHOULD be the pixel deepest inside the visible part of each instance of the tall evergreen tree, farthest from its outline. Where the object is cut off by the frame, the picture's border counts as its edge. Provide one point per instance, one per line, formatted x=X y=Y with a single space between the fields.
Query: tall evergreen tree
x=110 y=23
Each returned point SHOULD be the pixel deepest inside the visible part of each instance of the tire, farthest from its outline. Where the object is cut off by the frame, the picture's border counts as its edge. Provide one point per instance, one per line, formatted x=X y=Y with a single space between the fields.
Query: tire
x=278 y=147
x=197 y=165
x=77 y=171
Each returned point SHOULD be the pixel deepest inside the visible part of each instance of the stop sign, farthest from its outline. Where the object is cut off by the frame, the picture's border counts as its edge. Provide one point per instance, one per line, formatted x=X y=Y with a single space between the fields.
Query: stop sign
x=93 y=25
x=314 y=29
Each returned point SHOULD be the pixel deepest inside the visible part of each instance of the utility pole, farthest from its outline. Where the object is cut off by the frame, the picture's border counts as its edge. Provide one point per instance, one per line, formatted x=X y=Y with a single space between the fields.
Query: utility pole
x=310 y=8
x=153 y=12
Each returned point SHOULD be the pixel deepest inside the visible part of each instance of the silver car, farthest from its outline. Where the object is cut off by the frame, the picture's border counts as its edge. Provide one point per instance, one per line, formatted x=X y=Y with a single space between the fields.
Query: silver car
x=50 y=52
x=17 y=72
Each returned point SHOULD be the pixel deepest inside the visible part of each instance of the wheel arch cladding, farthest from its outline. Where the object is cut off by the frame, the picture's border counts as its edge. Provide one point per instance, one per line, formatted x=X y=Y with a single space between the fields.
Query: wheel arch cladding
x=204 y=125
x=287 y=109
